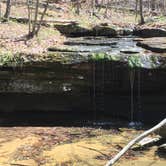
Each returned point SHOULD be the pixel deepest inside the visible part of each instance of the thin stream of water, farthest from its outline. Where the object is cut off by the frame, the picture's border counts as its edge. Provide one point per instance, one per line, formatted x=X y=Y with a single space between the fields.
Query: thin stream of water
x=132 y=79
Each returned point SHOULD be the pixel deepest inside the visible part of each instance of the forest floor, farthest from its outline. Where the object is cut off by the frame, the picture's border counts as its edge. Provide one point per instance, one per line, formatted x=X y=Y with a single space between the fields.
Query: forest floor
x=64 y=146
x=13 y=33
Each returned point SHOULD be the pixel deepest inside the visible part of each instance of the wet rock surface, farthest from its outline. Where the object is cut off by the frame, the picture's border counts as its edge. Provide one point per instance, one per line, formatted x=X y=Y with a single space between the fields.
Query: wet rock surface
x=88 y=49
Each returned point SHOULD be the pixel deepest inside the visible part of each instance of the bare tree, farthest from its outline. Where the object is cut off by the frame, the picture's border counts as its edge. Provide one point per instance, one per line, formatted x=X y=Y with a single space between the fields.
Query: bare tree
x=35 y=25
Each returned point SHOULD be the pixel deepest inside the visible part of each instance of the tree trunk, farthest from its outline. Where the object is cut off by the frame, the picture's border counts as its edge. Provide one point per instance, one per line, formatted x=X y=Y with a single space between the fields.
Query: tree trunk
x=78 y=7
x=42 y=17
x=35 y=19
x=153 y=5
x=7 y=12
x=141 y=12
x=29 y=16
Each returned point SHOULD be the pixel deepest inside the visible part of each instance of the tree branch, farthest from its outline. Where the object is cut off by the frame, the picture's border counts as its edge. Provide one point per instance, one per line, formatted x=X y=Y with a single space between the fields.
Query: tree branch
x=134 y=141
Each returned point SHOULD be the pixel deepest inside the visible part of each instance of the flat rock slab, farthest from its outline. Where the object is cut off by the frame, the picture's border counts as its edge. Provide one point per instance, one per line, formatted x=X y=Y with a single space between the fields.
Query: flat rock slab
x=156 y=44
x=90 y=43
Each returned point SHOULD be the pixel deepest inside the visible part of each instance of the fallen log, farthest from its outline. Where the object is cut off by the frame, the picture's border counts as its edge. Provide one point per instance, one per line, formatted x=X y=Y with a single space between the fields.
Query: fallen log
x=156 y=128
x=162 y=148
x=60 y=21
x=147 y=141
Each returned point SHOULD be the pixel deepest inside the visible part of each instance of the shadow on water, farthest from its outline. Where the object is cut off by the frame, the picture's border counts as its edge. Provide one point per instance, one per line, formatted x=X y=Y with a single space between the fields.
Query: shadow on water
x=66 y=119
x=37 y=118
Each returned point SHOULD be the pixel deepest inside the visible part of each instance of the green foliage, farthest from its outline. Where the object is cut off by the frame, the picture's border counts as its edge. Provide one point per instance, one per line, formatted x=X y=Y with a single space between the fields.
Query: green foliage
x=154 y=61
x=8 y=59
x=98 y=56
x=160 y=18
x=114 y=57
x=134 y=61
x=101 y=56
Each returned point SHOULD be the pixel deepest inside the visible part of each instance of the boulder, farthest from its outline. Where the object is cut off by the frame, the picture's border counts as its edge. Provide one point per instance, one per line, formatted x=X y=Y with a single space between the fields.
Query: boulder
x=75 y=30
x=100 y=30
x=150 y=32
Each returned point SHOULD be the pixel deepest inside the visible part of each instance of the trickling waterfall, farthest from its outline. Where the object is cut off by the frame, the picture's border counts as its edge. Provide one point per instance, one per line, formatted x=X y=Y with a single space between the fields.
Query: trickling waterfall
x=132 y=76
x=94 y=91
x=132 y=79
x=102 y=87
x=98 y=88
x=139 y=106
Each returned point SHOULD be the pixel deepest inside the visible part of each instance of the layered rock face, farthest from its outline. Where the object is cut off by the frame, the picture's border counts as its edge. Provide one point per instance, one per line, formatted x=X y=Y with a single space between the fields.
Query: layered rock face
x=100 y=87
x=94 y=76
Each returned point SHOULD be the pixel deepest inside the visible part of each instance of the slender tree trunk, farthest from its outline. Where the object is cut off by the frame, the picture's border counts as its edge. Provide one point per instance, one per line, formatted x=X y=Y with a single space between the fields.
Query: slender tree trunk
x=106 y=9
x=35 y=19
x=141 y=12
x=93 y=5
x=7 y=12
x=153 y=5
x=29 y=17
x=136 y=8
x=0 y=10
x=42 y=17
x=78 y=7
